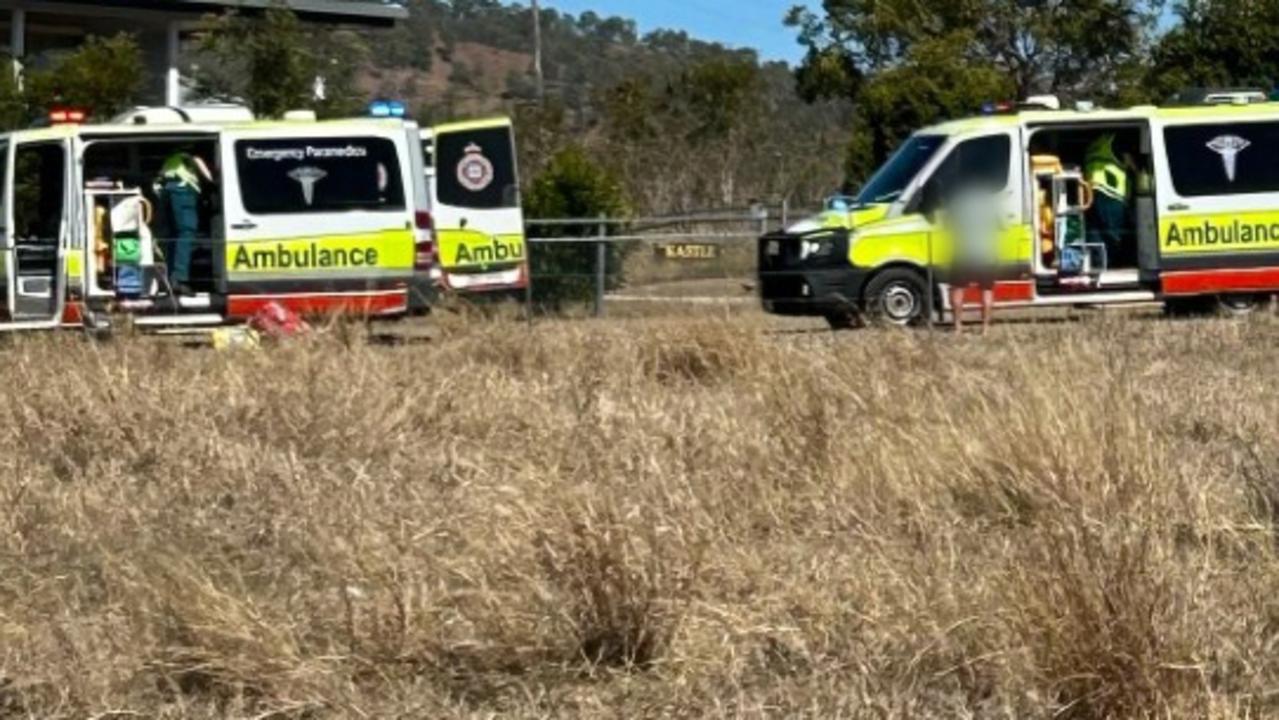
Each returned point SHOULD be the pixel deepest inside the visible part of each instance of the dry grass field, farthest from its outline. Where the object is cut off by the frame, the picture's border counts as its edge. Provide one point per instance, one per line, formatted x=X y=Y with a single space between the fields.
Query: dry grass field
x=646 y=518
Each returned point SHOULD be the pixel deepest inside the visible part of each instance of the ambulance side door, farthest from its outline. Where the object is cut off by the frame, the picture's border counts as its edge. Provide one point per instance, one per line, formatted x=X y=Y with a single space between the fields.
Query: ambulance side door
x=7 y=264
x=317 y=209
x=996 y=162
x=37 y=217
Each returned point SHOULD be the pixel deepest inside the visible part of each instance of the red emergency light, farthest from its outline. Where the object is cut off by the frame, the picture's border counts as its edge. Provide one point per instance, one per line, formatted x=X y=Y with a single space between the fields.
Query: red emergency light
x=67 y=116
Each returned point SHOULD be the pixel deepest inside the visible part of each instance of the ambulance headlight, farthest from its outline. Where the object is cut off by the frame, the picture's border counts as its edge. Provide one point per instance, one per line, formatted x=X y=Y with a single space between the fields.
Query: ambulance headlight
x=816 y=248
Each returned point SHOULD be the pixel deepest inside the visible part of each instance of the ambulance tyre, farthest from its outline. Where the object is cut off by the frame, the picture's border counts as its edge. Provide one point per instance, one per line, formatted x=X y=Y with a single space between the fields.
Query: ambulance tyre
x=1189 y=307
x=1240 y=305
x=897 y=297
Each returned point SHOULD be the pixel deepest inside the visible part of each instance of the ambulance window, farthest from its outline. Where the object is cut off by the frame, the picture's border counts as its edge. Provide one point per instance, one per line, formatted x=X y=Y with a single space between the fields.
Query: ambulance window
x=316 y=175
x=982 y=163
x=1223 y=159
x=888 y=184
x=476 y=169
x=39 y=178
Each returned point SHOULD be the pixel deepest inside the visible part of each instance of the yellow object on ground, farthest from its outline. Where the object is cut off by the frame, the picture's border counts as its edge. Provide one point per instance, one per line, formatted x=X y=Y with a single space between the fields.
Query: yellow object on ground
x=236 y=338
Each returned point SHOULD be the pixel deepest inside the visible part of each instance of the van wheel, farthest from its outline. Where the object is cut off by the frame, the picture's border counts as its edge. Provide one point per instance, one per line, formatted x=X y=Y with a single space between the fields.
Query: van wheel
x=897 y=297
x=1188 y=307
x=1242 y=304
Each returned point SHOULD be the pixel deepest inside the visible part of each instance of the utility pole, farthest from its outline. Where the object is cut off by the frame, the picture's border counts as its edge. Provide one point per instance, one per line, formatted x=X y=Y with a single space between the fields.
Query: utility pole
x=537 y=53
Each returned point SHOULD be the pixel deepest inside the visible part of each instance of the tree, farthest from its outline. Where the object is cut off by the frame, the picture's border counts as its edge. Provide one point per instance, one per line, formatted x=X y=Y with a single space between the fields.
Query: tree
x=907 y=63
x=1218 y=44
x=927 y=87
x=275 y=64
x=1060 y=46
x=105 y=75
x=572 y=187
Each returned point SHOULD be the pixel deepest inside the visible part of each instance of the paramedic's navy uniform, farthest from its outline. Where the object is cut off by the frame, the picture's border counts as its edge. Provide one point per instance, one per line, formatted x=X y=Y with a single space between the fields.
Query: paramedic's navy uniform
x=1109 y=217
x=180 y=180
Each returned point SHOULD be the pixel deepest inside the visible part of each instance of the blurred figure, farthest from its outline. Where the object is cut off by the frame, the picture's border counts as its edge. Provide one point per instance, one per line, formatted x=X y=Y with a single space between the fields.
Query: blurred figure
x=179 y=188
x=972 y=219
x=1110 y=180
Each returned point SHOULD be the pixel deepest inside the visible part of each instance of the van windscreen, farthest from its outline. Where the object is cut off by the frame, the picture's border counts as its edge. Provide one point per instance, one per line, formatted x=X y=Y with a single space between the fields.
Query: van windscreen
x=316 y=175
x=475 y=169
x=888 y=184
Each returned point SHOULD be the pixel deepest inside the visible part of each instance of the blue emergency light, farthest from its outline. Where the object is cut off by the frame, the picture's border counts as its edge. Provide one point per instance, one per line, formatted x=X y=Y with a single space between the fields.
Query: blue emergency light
x=997 y=108
x=387 y=109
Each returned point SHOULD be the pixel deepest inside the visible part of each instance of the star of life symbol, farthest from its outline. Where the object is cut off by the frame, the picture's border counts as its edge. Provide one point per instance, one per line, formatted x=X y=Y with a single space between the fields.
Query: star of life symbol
x=307 y=176
x=1229 y=147
x=475 y=172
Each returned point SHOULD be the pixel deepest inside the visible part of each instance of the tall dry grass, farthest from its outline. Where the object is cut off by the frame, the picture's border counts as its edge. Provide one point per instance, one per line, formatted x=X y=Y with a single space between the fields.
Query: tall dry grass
x=645 y=519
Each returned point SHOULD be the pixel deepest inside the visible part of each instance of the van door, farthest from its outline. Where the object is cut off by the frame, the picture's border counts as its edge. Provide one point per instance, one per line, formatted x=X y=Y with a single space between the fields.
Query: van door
x=318 y=218
x=38 y=182
x=995 y=162
x=476 y=206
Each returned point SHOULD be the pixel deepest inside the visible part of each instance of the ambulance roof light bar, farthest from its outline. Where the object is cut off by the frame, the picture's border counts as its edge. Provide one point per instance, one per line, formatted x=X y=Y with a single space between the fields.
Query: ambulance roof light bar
x=387 y=109
x=1034 y=102
x=67 y=116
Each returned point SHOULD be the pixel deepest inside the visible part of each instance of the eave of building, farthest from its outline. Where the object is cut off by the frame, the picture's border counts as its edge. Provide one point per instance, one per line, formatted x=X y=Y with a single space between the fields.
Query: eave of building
x=341 y=11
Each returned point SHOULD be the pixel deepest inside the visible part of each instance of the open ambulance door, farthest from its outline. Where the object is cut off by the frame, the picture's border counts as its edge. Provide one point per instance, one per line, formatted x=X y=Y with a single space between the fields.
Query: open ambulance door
x=34 y=239
x=475 y=203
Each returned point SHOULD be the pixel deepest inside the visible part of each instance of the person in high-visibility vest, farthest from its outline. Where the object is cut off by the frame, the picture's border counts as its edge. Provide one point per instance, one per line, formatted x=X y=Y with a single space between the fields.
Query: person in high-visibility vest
x=1110 y=181
x=179 y=186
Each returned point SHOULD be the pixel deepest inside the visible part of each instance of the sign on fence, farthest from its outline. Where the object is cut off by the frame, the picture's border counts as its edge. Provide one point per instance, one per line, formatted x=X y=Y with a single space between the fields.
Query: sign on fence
x=688 y=251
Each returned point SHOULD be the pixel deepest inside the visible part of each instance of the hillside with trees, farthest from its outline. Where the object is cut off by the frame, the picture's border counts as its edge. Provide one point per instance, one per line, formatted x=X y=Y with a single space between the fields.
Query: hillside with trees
x=680 y=123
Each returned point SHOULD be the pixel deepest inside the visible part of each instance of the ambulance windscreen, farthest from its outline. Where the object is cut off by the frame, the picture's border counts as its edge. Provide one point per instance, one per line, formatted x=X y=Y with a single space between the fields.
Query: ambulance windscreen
x=476 y=169
x=318 y=175
x=888 y=184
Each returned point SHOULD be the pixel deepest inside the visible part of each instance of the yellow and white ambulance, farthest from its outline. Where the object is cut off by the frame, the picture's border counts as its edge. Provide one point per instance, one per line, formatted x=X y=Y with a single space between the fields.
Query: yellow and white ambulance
x=319 y=217
x=473 y=183
x=1200 y=225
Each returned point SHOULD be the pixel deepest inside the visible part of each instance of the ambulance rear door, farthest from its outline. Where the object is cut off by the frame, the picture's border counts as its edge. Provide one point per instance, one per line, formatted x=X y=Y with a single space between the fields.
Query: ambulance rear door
x=37 y=209
x=318 y=216
x=476 y=205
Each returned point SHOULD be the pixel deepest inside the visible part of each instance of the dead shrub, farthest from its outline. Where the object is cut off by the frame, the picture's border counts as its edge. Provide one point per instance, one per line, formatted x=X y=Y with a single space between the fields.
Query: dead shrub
x=622 y=590
x=1102 y=614
x=700 y=355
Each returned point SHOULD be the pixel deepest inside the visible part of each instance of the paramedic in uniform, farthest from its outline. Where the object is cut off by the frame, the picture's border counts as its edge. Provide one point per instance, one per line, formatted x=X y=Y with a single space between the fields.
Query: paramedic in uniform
x=972 y=220
x=179 y=190
x=1108 y=218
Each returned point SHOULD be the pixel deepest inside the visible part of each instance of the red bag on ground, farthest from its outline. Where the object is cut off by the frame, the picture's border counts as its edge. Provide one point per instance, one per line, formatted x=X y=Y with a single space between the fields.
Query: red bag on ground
x=276 y=321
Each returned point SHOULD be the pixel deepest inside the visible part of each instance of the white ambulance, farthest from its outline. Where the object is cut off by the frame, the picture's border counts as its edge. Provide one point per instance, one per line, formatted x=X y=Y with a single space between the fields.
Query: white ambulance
x=318 y=217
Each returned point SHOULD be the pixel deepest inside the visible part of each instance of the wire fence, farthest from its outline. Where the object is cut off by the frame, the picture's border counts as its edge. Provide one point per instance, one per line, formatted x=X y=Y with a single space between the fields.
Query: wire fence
x=694 y=258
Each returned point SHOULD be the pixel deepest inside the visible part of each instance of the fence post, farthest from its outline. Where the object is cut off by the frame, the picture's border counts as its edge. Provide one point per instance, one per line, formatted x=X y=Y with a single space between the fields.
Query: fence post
x=528 y=278
x=601 y=267
x=930 y=302
x=785 y=213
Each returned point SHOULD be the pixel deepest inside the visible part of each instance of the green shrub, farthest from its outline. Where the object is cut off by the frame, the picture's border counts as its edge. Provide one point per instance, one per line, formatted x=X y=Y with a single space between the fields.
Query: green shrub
x=572 y=186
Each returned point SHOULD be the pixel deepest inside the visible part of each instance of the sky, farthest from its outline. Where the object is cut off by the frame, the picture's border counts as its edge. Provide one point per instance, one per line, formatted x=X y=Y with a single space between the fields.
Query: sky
x=741 y=23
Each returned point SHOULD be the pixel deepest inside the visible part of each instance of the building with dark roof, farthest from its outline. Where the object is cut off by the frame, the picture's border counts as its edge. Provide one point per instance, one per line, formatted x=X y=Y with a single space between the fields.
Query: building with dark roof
x=37 y=30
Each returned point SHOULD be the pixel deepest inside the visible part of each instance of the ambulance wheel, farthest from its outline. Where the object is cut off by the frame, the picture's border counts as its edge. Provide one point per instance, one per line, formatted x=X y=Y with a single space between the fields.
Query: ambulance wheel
x=1189 y=307
x=1241 y=304
x=897 y=297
